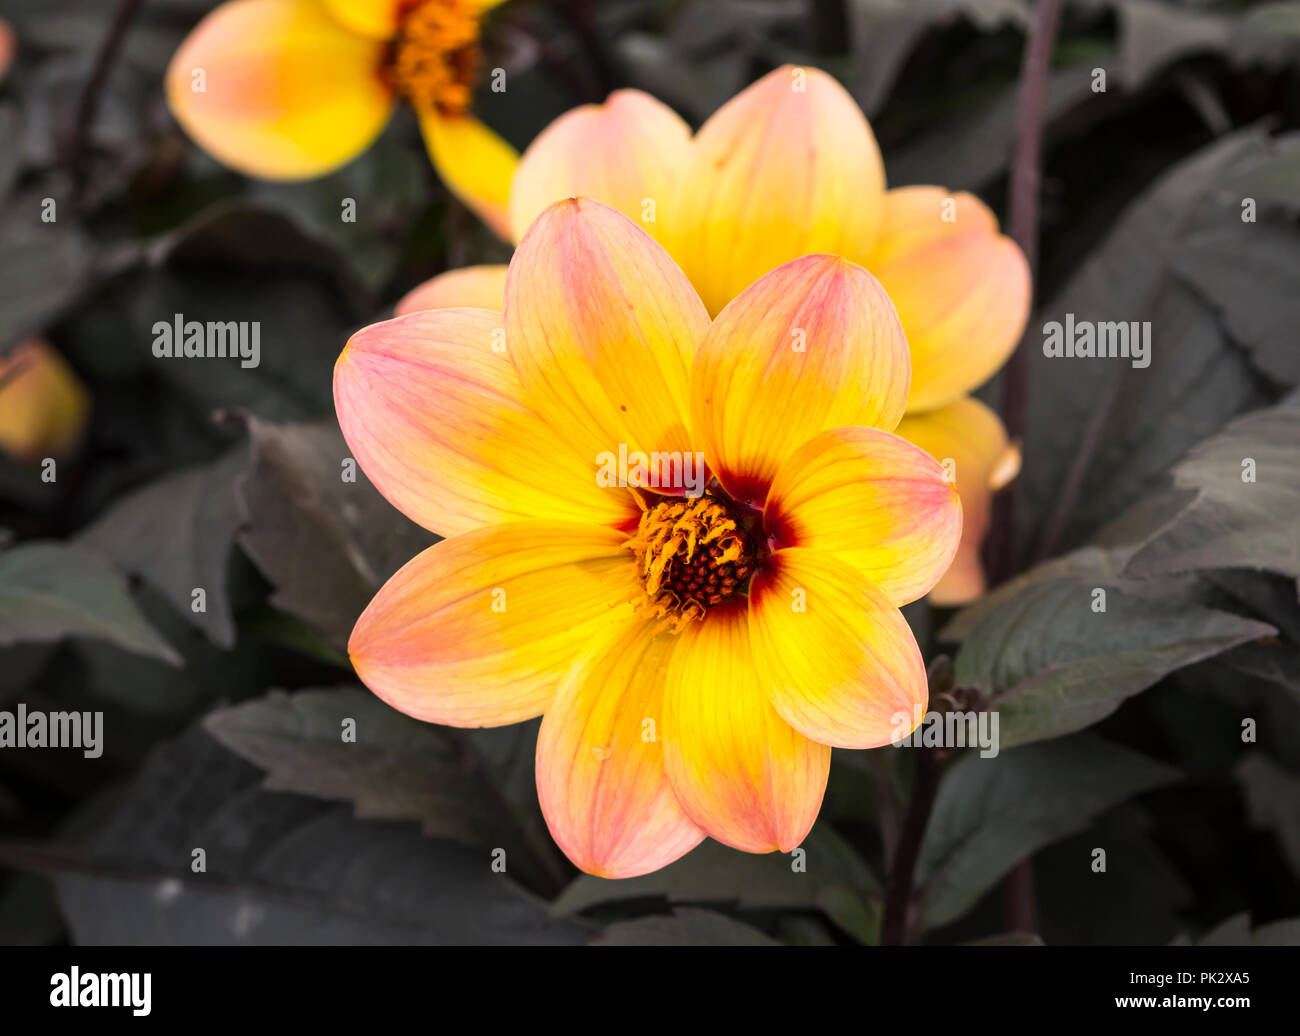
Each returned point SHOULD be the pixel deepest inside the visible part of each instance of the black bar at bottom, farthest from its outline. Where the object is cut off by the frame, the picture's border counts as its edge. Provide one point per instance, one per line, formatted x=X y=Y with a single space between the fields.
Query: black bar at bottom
x=339 y=985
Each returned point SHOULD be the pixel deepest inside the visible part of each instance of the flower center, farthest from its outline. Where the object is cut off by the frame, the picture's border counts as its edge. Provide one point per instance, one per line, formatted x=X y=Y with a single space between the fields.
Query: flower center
x=693 y=555
x=435 y=57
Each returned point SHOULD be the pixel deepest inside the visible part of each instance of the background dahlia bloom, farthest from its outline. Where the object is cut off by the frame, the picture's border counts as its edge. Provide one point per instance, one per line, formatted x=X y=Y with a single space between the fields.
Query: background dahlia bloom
x=694 y=657
x=44 y=407
x=786 y=168
x=292 y=89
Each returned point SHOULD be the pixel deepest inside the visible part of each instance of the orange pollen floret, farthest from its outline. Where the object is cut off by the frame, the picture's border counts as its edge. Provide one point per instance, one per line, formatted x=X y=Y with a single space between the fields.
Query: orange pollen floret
x=692 y=554
x=435 y=57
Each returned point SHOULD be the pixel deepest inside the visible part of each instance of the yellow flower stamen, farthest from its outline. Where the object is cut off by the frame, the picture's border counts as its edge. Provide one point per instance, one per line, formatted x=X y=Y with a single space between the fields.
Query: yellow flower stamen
x=692 y=554
x=436 y=55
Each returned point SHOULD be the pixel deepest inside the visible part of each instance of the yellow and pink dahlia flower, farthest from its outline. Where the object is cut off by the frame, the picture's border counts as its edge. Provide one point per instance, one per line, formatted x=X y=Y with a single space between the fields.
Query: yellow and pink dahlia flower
x=292 y=89
x=786 y=168
x=694 y=657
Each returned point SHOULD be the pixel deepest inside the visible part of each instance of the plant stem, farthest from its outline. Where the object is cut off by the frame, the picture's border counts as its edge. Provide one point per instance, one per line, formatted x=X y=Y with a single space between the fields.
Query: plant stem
x=1027 y=163
x=894 y=930
x=1019 y=904
x=93 y=90
x=895 y=927
x=1026 y=180
x=1019 y=908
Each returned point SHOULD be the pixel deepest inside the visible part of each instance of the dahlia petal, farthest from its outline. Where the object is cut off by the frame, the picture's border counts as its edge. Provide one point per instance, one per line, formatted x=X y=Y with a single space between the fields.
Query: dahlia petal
x=474 y=162
x=915 y=217
x=962 y=290
x=835 y=655
x=743 y=774
x=813 y=345
x=278 y=89
x=378 y=19
x=478 y=287
x=627 y=153
x=382 y=18
x=432 y=409
x=476 y=631
x=602 y=326
x=786 y=168
x=873 y=500
x=600 y=761
x=969 y=438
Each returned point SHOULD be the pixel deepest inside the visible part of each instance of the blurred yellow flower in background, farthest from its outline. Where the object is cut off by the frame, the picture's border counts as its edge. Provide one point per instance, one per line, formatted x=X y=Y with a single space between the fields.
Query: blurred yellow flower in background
x=789 y=167
x=44 y=407
x=292 y=89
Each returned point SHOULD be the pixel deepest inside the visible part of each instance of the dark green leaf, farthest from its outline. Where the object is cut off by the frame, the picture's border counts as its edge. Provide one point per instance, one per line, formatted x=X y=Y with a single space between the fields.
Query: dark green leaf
x=387 y=186
x=327 y=545
x=176 y=535
x=992 y=813
x=1140 y=899
x=301 y=328
x=397 y=768
x=42 y=265
x=1236 y=931
x=49 y=591
x=967 y=152
x=1275 y=178
x=1251 y=272
x=686 y=927
x=1052 y=666
x=1232 y=522
x=835 y=880
x=1100 y=430
x=1273 y=797
x=280 y=870
x=1154 y=35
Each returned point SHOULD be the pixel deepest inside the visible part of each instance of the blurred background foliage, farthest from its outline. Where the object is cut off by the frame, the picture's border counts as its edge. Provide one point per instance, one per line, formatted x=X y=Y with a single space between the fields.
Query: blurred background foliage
x=222 y=727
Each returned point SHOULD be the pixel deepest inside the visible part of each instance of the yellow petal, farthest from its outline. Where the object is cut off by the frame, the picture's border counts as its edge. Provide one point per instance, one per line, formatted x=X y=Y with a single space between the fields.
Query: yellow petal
x=738 y=768
x=383 y=18
x=838 y=659
x=600 y=762
x=970 y=440
x=477 y=630
x=476 y=165
x=602 y=326
x=376 y=18
x=278 y=89
x=786 y=168
x=43 y=405
x=628 y=153
x=432 y=410
x=873 y=500
x=916 y=217
x=962 y=290
x=479 y=287
x=812 y=345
